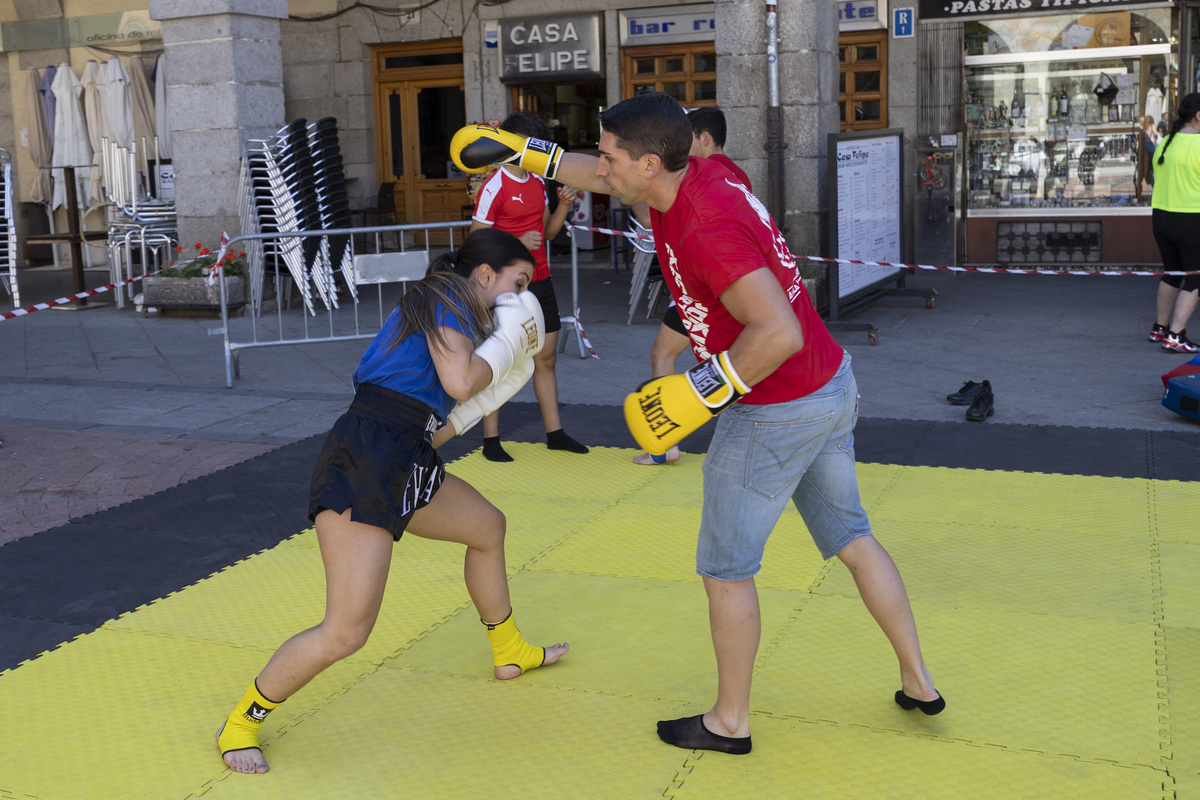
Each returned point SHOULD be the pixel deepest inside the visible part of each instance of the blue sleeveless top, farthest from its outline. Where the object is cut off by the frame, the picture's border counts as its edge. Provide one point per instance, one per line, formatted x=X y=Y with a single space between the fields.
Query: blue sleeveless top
x=408 y=367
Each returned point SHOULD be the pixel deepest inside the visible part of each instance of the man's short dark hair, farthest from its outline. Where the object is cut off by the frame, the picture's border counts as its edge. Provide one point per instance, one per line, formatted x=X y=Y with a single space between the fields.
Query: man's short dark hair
x=708 y=120
x=527 y=124
x=652 y=123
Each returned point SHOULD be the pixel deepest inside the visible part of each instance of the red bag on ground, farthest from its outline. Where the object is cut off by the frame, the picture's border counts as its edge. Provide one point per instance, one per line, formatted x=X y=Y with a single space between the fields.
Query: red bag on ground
x=1187 y=368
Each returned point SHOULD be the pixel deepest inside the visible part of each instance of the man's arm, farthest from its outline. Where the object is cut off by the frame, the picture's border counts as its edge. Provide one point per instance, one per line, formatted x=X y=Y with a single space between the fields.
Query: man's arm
x=772 y=333
x=578 y=171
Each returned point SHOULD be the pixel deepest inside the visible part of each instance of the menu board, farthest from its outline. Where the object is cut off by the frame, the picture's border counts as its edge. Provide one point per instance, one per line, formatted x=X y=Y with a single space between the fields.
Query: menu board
x=868 y=207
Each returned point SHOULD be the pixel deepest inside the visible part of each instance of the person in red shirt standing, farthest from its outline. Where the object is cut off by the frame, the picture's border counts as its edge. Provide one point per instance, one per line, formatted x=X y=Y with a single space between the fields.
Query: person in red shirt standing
x=708 y=141
x=514 y=200
x=781 y=388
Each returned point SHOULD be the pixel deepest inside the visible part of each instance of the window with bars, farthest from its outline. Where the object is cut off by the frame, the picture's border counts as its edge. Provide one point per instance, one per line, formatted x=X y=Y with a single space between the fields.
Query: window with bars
x=862 y=84
x=687 y=72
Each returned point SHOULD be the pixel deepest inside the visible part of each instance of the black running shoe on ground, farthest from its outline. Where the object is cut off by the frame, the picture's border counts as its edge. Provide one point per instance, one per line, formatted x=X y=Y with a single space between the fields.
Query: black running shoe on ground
x=966 y=395
x=982 y=406
x=1158 y=333
x=1178 y=343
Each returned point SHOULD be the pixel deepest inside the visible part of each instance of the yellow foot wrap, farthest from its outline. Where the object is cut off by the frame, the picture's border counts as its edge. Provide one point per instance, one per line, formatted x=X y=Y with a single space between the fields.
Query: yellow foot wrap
x=241 y=729
x=509 y=648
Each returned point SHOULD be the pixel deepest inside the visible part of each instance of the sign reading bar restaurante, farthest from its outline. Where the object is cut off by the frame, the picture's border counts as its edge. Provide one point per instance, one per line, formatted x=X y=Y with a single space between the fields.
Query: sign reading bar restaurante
x=972 y=9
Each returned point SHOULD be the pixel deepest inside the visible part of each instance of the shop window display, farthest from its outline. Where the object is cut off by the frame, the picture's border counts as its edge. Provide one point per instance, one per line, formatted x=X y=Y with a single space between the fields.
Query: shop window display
x=1054 y=106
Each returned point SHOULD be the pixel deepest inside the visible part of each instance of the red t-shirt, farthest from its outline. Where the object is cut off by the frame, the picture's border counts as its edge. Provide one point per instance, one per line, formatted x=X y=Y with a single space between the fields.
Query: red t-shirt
x=727 y=162
x=715 y=232
x=516 y=205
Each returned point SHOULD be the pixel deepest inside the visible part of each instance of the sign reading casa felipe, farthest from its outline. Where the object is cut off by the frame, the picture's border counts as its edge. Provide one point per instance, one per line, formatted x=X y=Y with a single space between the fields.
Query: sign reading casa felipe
x=566 y=48
x=974 y=9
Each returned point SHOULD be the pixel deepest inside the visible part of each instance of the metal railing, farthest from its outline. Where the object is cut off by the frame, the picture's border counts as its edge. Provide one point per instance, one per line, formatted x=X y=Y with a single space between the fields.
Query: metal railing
x=362 y=315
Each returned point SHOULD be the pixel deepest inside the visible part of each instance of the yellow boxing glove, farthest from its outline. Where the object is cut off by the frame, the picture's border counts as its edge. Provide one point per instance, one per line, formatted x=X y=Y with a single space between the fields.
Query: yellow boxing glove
x=665 y=410
x=477 y=147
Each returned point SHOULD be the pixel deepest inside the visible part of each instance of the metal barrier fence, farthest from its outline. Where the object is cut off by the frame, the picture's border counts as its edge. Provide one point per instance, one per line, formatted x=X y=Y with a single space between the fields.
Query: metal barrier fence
x=356 y=315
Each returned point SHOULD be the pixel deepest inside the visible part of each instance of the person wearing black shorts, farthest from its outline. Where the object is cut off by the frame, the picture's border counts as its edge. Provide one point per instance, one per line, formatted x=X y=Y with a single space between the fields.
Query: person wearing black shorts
x=379 y=475
x=1176 y=221
x=514 y=200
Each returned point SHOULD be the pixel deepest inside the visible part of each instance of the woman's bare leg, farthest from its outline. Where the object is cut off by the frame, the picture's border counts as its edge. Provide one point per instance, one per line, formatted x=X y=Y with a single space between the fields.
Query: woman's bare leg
x=458 y=513
x=356 y=558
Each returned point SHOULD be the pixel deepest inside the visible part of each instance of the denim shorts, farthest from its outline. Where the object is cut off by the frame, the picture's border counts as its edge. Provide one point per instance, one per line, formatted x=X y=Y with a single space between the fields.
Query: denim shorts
x=760 y=457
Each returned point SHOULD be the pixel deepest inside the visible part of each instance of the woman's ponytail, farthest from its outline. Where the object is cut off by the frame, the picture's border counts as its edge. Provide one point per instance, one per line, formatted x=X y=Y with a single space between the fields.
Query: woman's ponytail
x=1189 y=107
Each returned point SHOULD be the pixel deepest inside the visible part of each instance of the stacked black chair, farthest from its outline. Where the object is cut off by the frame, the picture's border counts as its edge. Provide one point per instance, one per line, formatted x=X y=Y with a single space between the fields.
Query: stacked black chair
x=258 y=215
x=292 y=182
x=333 y=203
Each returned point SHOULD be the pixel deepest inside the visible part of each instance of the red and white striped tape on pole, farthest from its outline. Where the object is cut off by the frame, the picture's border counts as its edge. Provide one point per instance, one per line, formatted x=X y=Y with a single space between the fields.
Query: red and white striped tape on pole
x=574 y=320
x=21 y=312
x=1009 y=270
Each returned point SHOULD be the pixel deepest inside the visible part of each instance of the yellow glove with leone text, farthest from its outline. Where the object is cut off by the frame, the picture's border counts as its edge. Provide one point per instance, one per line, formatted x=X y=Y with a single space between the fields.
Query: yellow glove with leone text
x=663 y=411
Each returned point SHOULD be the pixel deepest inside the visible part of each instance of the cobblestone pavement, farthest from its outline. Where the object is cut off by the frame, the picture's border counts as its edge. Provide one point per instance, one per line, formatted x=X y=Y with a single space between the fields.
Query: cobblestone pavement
x=48 y=477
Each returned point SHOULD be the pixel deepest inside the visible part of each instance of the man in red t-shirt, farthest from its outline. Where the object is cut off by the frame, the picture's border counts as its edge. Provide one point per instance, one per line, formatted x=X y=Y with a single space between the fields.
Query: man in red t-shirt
x=709 y=132
x=785 y=387
x=514 y=200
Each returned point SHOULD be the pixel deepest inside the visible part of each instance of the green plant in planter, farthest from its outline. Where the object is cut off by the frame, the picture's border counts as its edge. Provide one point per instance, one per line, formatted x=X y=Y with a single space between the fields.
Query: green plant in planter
x=205 y=263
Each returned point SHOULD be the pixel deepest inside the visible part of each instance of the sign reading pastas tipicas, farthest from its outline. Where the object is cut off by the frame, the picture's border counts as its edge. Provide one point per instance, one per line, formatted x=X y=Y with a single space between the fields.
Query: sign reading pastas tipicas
x=561 y=48
x=979 y=9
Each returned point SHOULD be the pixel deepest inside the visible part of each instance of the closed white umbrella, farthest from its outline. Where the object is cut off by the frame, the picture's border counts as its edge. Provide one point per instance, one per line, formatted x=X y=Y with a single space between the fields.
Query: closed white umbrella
x=48 y=100
x=120 y=101
x=71 y=145
x=143 y=106
x=160 y=109
x=41 y=139
x=95 y=112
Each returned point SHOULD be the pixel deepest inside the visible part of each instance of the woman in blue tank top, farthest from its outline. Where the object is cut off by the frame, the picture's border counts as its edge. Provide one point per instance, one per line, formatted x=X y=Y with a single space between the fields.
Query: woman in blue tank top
x=441 y=359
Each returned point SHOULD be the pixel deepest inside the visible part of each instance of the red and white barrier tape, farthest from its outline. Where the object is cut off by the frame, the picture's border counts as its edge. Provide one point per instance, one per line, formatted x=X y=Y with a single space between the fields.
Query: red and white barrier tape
x=574 y=320
x=1009 y=270
x=20 y=312
x=611 y=232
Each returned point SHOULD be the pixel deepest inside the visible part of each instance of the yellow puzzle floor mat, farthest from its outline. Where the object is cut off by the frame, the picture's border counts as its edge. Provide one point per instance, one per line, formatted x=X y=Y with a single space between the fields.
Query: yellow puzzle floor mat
x=1060 y=616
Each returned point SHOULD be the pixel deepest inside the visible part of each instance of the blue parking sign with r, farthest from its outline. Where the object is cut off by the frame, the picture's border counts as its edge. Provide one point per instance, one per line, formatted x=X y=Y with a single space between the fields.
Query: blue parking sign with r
x=902 y=23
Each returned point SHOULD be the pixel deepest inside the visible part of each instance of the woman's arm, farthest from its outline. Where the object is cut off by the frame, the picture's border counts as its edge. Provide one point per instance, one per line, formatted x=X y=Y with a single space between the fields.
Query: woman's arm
x=460 y=371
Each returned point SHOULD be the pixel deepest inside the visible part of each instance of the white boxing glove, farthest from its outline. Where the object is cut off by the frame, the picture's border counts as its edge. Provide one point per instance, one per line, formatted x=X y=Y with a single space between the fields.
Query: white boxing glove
x=468 y=413
x=519 y=333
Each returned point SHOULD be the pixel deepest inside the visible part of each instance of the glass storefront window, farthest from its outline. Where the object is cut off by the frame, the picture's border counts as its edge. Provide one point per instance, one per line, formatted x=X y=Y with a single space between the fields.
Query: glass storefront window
x=1068 y=32
x=686 y=72
x=704 y=62
x=1063 y=134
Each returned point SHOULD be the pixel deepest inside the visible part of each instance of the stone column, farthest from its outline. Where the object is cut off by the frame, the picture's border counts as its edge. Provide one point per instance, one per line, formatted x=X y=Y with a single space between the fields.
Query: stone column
x=808 y=84
x=224 y=72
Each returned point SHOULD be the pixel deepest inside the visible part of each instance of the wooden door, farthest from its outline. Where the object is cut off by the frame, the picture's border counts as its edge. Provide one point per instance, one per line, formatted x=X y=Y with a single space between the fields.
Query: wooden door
x=419 y=106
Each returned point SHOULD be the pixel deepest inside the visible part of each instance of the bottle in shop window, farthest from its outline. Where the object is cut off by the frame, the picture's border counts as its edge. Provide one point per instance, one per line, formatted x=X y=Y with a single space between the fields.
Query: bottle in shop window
x=1054 y=104
x=1064 y=103
x=1017 y=109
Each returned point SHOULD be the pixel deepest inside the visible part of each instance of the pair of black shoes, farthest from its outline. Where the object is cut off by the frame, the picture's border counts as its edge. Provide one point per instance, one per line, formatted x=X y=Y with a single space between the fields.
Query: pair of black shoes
x=976 y=395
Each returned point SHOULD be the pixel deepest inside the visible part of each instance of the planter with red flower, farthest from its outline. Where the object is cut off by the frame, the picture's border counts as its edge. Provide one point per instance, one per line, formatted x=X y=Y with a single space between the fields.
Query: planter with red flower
x=191 y=284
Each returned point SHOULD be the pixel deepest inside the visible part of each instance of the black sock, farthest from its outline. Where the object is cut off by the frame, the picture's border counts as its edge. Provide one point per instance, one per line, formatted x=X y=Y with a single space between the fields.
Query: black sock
x=690 y=734
x=558 y=440
x=492 y=450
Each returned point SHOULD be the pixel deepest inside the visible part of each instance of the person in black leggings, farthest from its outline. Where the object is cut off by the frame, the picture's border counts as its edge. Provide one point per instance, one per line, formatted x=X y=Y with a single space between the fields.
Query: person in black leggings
x=1176 y=219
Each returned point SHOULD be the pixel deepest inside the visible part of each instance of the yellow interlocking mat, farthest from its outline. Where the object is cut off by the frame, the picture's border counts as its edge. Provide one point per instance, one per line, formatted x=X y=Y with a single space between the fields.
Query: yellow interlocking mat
x=1057 y=613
